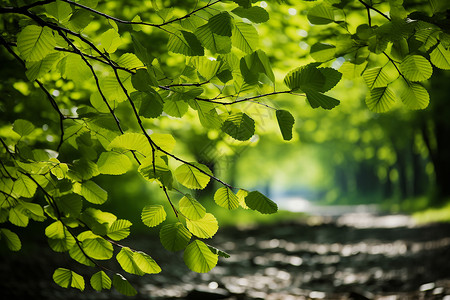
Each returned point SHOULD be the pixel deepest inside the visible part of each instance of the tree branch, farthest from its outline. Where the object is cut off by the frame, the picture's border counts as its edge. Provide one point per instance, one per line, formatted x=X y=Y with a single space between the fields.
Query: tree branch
x=374 y=9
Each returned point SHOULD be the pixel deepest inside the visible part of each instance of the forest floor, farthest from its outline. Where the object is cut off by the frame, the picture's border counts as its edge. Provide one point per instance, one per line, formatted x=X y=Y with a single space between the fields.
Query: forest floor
x=355 y=256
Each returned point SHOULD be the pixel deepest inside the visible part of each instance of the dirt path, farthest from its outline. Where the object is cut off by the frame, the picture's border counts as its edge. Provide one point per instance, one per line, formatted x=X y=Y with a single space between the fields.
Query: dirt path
x=357 y=256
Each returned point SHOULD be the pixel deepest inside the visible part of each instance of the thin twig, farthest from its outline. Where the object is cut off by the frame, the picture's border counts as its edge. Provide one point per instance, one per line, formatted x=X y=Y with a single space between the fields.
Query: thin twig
x=374 y=9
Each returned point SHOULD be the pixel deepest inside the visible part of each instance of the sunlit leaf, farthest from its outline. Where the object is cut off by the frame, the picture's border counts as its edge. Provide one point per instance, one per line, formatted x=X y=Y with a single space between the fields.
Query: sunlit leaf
x=100 y=281
x=221 y=24
x=110 y=40
x=212 y=41
x=219 y=252
x=414 y=95
x=322 y=52
x=123 y=286
x=241 y=194
x=35 y=42
x=186 y=43
x=245 y=37
x=205 y=227
x=126 y=261
x=146 y=263
x=92 y=192
x=255 y=14
x=174 y=237
x=191 y=208
x=225 y=197
x=380 y=99
x=153 y=215
x=11 y=239
x=321 y=14
x=257 y=201
x=95 y=246
x=23 y=127
x=119 y=230
x=67 y=278
x=199 y=258
x=416 y=68
x=59 y=9
x=113 y=163
x=193 y=175
x=380 y=76
x=440 y=57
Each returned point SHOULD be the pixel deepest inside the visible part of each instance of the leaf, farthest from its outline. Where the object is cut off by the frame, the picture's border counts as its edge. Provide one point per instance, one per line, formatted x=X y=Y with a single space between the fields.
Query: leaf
x=123 y=286
x=191 y=208
x=59 y=9
x=414 y=95
x=141 y=52
x=113 y=163
x=332 y=77
x=100 y=281
x=126 y=261
x=37 y=69
x=193 y=175
x=205 y=67
x=225 y=197
x=254 y=65
x=199 y=258
x=221 y=24
x=11 y=239
x=23 y=127
x=175 y=109
x=129 y=61
x=440 y=57
x=65 y=278
x=35 y=42
x=109 y=41
x=70 y=205
x=24 y=186
x=241 y=194
x=82 y=169
x=33 y=211
x=78 y=255
x=17 y=218
x=380 y=76
x=186 y=43
x=322 y=52
x=131 y=141
x=239 y=126
x=55 y=230
x=204 y=228
x=143 y=80
x=93 y=192
x=305 y=77
x=211 y=41
x=286 y=123
x=174 y=237
x=156 y=169
x=95 y=246
x=64 y=244
x=317 y=99
x=245 y=37
x=380 y=99
x=97 y=220
x=257 y=201
x=119 y=230
x=256 y=14
x=321 y=14
x=153 y=215
x=416 y=68
x=146 y=263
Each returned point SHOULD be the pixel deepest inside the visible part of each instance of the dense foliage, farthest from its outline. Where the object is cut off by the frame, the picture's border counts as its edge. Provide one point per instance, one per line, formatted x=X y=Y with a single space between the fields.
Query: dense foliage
x=112 y=72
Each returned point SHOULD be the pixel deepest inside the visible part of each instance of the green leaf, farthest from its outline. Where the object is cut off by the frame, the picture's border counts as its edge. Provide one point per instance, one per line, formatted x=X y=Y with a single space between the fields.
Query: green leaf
x=23 y=127
x=119 y=230
x=185 y=43
x=305 y=77
x=219 y=252
x=110 y=40
x=239 y=126
x=97 y=220
x=205 y=227
x=95 y=246
x=211 y=41
x=65 y=278
x=205 y=67
x=257 y=201
x=123 y=286
x=141 y=52
x=381 y=99
x=245 y=37
x=37 y=69
x=321 y=14
x=17 y=218
x=174 y=237
x=35 y=42
x=221 y=24
x=129 y=61
x=175 y=109
x=59 y=9
x=416 y=68
x=153 y=215
x=317 y=99
x=143 y=80
x=78 y=255
x=255 y=64
x=191 y=208
x=131 y=141
x=440 y=57
x=113 y=163
x=64 y=244
x=11 y=239
x=70 y=205
x=414 y=95
x=193 y=175
x=82 y=169
x=126 y=261
x=146 y=263
x=322 y=52
x=225 y=197
x=286 y=123
x=92 y=192
x=24 y=186
x=380 y=76
x=55 y=230
x=199 y=258
x=255 y=14
x=100 y=281
x=33 y=211
x=241 y=194
x=332 y=77
x=156 y=169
